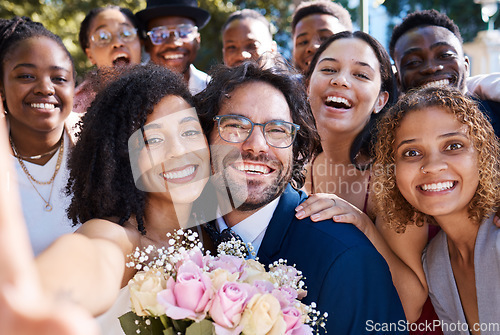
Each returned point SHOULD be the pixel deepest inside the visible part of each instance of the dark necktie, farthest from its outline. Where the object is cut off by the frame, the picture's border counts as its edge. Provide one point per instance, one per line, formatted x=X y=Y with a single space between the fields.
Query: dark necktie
x=224 y=236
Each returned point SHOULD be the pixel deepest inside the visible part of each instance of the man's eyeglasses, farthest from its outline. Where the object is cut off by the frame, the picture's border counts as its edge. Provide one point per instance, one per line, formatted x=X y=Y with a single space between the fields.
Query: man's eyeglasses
x=103 y=37
x=184 y=32
x=237 y=128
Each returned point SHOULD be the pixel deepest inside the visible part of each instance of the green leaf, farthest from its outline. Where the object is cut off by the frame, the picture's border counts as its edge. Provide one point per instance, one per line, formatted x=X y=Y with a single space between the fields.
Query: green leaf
x=130 y=323
x=205 y=327
x=181 y=325
x=169 y=331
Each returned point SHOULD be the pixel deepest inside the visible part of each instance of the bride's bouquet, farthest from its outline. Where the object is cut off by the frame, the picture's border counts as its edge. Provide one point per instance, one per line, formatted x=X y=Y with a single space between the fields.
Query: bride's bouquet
x=181 y=290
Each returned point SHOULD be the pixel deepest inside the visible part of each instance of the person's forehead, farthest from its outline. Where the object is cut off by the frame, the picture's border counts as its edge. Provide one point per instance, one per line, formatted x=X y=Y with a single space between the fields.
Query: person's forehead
x=259 y=101
x=249 y=26
x=427 y=37
x=110 y=14
x=169 y=21
x=318 y=22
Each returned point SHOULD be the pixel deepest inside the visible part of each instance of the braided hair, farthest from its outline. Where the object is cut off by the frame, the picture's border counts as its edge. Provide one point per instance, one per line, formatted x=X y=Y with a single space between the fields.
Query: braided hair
x=15 y=30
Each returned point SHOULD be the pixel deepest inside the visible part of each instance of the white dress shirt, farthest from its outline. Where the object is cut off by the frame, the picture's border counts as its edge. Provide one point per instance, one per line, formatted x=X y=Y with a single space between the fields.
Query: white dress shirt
x=198 y=80
x=253 y=228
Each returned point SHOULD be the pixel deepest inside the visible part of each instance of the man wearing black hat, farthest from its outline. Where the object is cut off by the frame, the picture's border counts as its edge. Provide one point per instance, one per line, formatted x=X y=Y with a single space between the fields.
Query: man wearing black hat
x=172 y=38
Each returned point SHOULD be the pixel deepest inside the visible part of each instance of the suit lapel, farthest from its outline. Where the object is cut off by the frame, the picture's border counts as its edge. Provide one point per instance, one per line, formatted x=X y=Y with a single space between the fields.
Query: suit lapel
x=278 y=227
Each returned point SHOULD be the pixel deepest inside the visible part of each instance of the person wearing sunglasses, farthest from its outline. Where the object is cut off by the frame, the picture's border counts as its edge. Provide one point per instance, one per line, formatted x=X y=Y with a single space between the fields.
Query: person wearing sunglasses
x=172 y=39
x=109 y=37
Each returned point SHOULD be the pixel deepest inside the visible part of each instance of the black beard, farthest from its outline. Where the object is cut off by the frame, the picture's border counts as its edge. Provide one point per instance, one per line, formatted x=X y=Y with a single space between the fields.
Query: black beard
x=267 y=195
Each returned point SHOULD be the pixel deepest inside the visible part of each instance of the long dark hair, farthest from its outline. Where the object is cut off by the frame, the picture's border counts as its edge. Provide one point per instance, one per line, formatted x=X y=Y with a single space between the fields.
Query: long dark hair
x=363 y=143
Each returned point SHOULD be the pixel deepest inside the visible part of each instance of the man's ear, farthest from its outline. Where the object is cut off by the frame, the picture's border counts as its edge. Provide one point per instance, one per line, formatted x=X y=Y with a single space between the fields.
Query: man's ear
x=89 y=56
x=467 y=66
x=398 y=79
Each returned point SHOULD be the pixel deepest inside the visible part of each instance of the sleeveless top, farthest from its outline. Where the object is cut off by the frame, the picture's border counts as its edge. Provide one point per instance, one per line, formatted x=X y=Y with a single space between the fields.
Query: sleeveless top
x=365 y=204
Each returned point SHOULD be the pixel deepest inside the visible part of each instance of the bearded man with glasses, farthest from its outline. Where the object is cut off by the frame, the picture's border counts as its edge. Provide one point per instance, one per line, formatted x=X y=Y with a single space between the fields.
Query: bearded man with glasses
x=171 y=37
x=261 y=134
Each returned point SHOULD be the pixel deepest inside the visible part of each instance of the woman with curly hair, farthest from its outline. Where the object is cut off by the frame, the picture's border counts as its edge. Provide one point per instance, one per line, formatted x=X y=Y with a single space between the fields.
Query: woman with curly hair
x=141 y=161
x=441 y=166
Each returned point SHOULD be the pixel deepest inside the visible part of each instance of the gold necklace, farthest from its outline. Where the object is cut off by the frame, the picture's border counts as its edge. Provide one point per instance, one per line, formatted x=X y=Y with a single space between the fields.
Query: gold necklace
x=37 y=156
x=48 y=206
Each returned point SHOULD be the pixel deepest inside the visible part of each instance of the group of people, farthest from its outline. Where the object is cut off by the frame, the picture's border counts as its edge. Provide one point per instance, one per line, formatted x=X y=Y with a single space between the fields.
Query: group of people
x=381 y=187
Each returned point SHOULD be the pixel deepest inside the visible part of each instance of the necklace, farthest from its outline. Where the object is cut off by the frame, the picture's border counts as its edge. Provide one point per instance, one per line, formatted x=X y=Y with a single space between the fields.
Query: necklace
x=32 y=180
x=37 y=156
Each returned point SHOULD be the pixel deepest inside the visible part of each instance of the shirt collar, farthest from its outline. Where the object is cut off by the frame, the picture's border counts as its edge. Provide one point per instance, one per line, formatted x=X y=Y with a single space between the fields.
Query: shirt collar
x=254 y=225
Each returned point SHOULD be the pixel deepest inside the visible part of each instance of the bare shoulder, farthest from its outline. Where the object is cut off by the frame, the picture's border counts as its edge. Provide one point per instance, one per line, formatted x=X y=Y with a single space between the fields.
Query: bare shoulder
x=126 y=236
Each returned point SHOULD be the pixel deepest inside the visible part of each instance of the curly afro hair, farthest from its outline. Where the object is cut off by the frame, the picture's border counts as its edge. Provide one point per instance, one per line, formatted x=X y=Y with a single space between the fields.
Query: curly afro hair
x=18 y=29
x=390 y=203
x=101 y=180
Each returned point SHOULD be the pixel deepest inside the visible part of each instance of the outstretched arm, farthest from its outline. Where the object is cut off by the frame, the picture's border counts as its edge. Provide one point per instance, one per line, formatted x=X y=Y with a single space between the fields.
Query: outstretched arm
x=485 y=86
x=25 y=308
x=87 y=271
x=404 y=260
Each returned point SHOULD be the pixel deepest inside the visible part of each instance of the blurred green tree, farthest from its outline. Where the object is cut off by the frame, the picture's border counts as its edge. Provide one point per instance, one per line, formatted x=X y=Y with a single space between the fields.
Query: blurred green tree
x=465 y=13
x=63 y=17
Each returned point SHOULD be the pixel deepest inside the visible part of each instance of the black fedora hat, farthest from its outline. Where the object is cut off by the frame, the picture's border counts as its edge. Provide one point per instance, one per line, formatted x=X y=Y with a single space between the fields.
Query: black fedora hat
x=185 y=8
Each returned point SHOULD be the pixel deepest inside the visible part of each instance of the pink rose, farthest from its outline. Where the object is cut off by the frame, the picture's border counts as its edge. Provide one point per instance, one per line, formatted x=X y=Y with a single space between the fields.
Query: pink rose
x=189 y=295
x=194 y=255
x=263 y=286
x=285 y=295
x=230 y=263
x=228 y=304
x=293 y=319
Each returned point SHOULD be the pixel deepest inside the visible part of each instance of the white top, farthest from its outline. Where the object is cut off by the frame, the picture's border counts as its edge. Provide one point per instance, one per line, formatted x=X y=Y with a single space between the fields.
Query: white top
x=253 y=228
x=108 y=322
x=198 y=80
x=44 y=227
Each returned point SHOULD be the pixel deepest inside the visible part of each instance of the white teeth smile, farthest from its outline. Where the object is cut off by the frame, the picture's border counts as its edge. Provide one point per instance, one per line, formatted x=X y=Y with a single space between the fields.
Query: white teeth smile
x=179 y=174
x=251 y=168
x=439 y=83
x=177 y=56
x=43 y=106
x=339 y=100
x=436 y=187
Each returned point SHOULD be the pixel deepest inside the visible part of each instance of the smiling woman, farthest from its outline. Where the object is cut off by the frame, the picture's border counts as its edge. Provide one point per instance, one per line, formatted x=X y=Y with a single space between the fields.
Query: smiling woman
x=37 y=84
x=444 y=169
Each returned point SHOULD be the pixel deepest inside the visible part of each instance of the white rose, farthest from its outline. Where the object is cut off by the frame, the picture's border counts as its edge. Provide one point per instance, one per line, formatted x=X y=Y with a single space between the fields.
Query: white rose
x=144 y=288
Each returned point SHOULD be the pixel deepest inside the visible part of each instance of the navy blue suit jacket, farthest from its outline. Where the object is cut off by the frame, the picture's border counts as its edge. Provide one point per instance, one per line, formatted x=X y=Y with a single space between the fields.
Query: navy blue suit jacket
x=344 y=273
x=492 y=110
